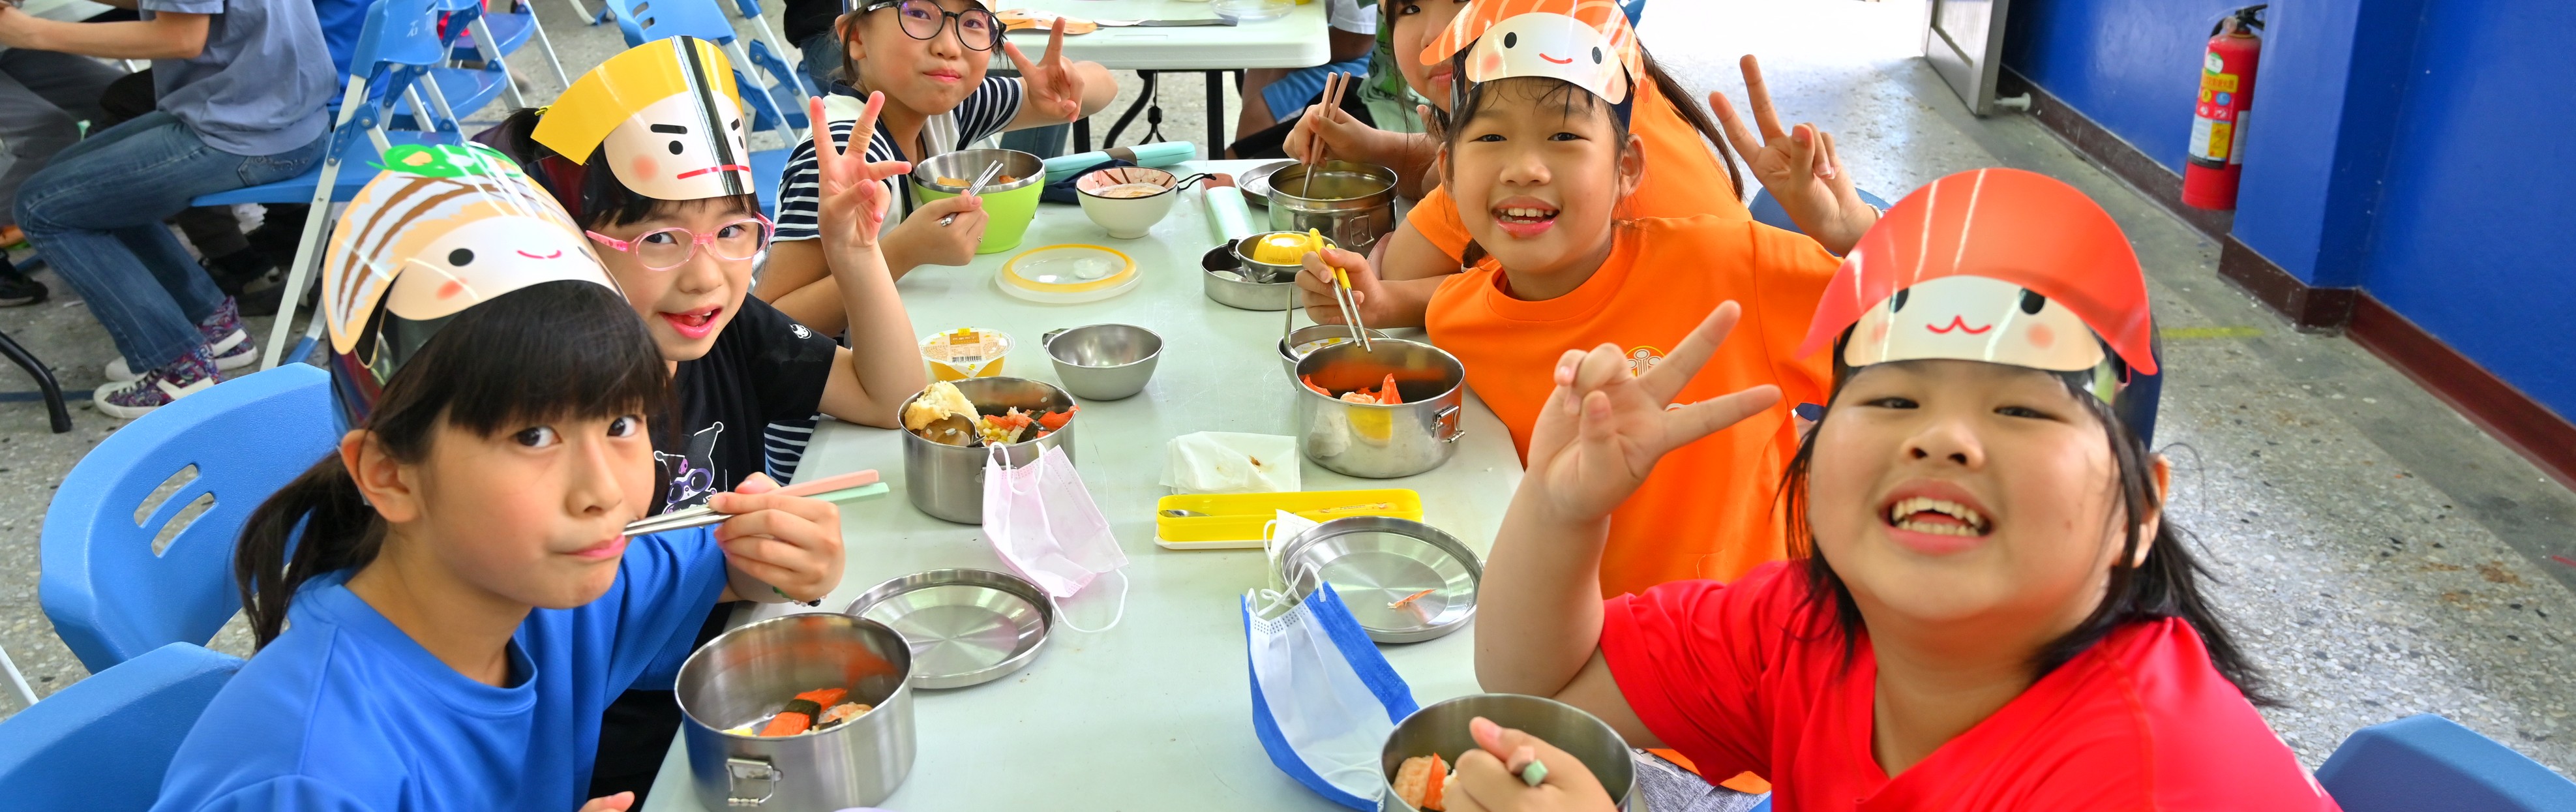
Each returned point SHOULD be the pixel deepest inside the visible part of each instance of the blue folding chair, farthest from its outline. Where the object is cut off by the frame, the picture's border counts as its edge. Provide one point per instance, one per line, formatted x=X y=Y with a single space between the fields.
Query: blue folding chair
x=103 y=744
x=511 y=29
x=2427 y=762
x=643 y=21
x=770 y=52
x=402 y=57
x=110 y=595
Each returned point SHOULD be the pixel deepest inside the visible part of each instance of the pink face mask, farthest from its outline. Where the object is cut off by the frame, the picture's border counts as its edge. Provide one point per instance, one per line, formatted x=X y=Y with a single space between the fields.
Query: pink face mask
x=1042 y=521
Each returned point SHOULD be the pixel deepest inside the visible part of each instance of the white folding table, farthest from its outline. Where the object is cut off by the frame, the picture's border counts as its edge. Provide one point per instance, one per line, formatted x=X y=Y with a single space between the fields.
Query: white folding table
x=1297 y=40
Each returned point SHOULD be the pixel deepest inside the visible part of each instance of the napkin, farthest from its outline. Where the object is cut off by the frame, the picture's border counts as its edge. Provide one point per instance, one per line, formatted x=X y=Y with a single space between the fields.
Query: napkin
x=1231 y=462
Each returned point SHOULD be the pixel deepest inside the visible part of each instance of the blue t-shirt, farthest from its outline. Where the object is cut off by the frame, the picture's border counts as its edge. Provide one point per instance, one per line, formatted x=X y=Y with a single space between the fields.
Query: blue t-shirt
x=259 y=86
x=341 y=21
x=345 y=712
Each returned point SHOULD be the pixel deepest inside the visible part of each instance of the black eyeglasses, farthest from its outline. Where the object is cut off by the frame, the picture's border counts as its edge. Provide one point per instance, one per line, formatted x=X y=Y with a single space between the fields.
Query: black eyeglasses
x=977 y=29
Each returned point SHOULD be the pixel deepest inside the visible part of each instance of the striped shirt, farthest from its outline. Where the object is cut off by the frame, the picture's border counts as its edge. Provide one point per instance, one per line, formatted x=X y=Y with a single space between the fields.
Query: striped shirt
x=988 y=110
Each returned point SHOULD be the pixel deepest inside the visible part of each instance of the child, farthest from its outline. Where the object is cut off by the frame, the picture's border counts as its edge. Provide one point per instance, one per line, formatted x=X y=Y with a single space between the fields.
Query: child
x=1540 y=150
x=1991 y=611
x=444 y=604
x=928 y=58
x=1269 y=94
x=1798 y=167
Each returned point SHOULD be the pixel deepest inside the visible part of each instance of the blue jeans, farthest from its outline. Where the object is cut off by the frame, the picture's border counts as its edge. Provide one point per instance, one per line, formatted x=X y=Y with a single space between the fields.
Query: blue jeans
x=96 y=213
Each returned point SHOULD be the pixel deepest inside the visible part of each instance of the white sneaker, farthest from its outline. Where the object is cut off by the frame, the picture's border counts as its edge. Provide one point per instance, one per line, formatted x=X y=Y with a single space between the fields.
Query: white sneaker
x=126 y=400
x=234 y=352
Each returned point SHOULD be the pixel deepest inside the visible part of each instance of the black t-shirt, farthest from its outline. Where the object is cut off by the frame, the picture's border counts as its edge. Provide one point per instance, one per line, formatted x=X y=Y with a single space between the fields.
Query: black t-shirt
x=806 y=18
x=764 y=368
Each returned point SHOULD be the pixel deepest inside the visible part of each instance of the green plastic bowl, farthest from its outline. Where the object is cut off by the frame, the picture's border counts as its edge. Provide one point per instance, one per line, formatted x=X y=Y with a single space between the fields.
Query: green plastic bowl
x=1010 y=206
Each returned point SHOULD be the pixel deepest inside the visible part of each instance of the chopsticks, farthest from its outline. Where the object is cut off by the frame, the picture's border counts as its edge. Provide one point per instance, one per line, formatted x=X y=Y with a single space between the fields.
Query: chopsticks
x=991 y=170
x=831 y=488
x=1342 y=295
x=1334 y=84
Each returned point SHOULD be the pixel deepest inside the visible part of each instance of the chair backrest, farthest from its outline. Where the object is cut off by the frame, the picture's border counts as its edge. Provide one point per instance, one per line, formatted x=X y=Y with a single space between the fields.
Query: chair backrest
x=2428 y=762
x=110 y=595
x=103 y=743
x=644 y=21
x=1768 y=211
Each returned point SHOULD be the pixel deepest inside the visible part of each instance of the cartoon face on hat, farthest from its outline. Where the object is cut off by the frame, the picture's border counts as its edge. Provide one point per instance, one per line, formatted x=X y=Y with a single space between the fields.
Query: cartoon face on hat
x=442 y=229
x=1584 y=42
x=667 y=115
x=1995 y=265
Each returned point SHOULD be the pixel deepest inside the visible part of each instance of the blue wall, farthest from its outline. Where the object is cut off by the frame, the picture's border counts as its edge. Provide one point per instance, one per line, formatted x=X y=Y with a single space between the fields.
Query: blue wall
x=2417 y=149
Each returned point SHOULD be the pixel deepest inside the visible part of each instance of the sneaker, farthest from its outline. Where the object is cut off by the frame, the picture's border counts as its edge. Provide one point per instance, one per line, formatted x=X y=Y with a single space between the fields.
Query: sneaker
x=16 y=290
x=126 y=400
x=226 y=341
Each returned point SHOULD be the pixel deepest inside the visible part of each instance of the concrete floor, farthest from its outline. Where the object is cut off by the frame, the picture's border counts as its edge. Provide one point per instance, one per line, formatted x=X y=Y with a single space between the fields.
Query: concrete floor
x=2381 y=556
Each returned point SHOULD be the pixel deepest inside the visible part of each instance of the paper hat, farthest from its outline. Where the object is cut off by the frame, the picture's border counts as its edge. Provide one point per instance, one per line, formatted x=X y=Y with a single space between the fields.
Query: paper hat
x=1996 y=265
x=1585 y=42
x=443 y=228
x=668 y=115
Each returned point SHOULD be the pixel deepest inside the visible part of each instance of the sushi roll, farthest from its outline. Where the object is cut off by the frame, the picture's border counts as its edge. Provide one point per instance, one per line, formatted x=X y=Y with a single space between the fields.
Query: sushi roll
x=1421 y=780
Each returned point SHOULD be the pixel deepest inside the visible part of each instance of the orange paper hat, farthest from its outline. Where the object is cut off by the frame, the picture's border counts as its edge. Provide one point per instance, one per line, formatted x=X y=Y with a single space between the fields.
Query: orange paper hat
x=1997 y=265
x=1584 y=42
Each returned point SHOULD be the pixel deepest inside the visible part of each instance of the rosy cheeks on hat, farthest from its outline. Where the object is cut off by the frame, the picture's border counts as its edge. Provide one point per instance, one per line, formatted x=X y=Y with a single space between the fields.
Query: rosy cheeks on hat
x=1489 y=63
x=2041 y=336
x=644 y=166
x=450 y=289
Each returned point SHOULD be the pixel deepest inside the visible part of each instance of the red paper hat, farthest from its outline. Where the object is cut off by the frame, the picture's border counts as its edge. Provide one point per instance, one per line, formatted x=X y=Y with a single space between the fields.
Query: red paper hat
x=1584 y=42
x=1996 y=265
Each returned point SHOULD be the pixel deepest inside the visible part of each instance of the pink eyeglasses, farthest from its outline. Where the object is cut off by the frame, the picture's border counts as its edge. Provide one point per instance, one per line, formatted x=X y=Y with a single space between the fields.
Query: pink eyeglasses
x=664 y=249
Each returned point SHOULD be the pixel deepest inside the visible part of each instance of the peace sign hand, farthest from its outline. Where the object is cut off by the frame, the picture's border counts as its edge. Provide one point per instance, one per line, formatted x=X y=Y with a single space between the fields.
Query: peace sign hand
x=1798 y=166
x=853 y=190
x=1602 y=430
x=1053 y=85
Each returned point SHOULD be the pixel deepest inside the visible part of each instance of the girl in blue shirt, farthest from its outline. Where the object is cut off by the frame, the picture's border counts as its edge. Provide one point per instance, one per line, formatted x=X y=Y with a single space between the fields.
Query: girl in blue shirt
x=444 y=606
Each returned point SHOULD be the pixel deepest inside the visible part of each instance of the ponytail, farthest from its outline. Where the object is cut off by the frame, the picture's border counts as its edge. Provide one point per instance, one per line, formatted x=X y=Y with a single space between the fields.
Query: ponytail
x=339 y=532
x=1697 y=118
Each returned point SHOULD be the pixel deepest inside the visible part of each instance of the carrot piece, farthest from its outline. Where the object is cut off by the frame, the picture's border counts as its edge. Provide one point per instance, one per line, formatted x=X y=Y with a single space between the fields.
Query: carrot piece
x=1435 y=786
x=787 y=723
x=1309 y=380
x=1386 y=394
x=824 y=697
x=1056 y=420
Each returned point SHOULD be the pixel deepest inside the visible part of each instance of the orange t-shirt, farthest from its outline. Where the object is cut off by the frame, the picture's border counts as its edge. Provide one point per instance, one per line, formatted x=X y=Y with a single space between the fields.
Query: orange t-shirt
x=1684 y=178
x=1706 y=511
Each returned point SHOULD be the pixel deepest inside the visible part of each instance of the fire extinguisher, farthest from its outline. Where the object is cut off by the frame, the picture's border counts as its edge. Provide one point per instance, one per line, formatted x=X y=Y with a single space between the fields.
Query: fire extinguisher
x=2218 y=120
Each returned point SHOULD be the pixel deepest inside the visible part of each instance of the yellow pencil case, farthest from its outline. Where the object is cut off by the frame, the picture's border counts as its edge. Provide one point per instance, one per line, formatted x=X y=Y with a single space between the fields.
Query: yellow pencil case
x=1234 y=521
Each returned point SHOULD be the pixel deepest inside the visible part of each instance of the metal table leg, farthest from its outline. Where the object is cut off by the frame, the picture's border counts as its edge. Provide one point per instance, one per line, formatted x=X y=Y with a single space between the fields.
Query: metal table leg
x=1144 y=98
x=59 y=412
x=1216 y=113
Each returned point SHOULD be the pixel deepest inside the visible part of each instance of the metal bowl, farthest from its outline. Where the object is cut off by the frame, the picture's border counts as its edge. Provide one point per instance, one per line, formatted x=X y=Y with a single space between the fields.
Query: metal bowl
x=947 y=481
x=1374 y=562
x=1380 y=442
x=745 y=675
x=1224 y=279
x=1025 y=170
x=1352 y=203
x=1288 y=356
x=1256 y=182
x=1442 y=728
x=1104 y=361
x=965 y=626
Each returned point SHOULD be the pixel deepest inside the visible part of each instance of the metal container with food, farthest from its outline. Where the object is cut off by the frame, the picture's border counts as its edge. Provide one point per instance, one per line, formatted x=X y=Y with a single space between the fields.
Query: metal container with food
x=1441 y=729
x=1372 y=440
x=1104 y=361
x=1010 y=201
x=1404 y=581
x=1306 y=340
x=947 y=481
x=746 y=676
x=966 y=626
x=1352 y=203
x=1227 y=278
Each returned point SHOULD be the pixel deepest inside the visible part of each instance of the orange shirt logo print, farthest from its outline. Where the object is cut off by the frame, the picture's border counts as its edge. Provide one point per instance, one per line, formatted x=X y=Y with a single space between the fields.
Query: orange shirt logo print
x=1643 y=358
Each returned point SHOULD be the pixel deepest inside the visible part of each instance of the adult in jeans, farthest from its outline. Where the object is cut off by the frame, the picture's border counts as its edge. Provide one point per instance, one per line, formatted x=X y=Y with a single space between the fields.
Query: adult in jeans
x=242 y=85
x=43 y=98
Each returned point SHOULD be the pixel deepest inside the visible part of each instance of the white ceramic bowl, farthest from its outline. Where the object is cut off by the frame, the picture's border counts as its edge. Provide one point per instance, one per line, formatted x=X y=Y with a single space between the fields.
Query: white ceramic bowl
x=1128 y=217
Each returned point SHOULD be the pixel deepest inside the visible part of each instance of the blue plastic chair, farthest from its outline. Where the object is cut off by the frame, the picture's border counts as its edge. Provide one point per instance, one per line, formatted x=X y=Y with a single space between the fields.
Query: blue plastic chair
x=402 y=55
x=103 y=744
x=643 y=21
x=109 y=595
x=1768 y=211
x=511 y=29
x=770 y=53
x=2427 y=762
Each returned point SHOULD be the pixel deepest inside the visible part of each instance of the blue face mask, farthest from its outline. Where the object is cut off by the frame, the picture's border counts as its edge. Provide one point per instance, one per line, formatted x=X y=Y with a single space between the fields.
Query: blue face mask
x=1323 y=698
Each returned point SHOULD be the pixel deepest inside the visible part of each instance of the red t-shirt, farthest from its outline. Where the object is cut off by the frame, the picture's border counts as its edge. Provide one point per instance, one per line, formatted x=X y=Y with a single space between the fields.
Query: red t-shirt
x=1742 y=677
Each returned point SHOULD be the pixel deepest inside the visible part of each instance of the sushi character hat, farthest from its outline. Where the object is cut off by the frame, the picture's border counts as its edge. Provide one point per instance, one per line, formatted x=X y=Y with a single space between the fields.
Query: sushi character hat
x=2002 y=266
x=441 y=229
x=668 y=115
x=1587 y=43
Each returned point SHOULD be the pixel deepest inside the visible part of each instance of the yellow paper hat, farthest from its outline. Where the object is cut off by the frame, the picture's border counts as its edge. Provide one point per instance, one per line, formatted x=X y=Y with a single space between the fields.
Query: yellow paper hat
x=668 y=115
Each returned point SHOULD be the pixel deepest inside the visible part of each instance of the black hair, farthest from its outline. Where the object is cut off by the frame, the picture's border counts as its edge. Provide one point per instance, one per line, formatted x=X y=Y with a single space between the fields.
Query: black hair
x=543 y=353
x=1469 y=99
x=2166 y=585
x=588 y=189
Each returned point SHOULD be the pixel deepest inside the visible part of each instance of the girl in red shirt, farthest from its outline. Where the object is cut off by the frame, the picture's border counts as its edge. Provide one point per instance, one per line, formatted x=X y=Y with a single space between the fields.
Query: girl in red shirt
x=1986 y=610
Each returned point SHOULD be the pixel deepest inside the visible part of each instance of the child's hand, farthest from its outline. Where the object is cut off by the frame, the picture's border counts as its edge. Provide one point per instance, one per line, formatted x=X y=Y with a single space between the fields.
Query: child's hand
x=1602 y=430
x=1315 y=284
x=791 y=543
x=1341 y=135
x=1798 y=166
x=921 y=240
x=1052 y=83
x=1489 y=778
x=613 y=803
x=854 y=197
